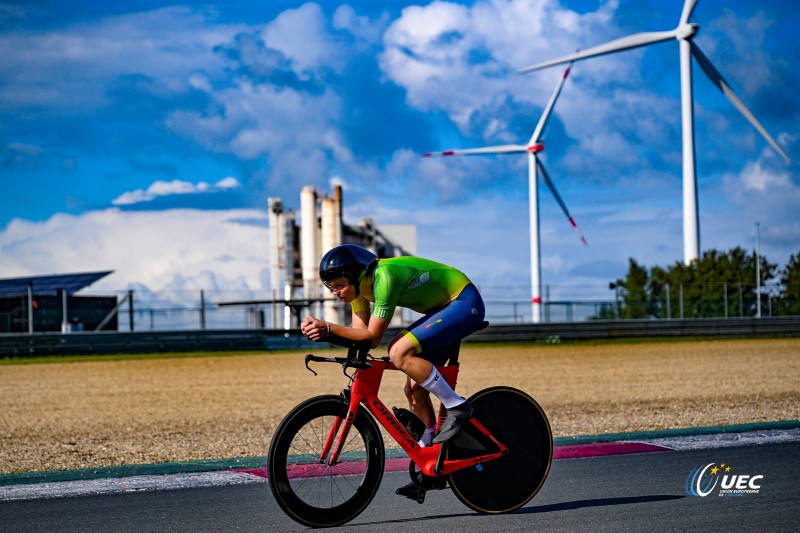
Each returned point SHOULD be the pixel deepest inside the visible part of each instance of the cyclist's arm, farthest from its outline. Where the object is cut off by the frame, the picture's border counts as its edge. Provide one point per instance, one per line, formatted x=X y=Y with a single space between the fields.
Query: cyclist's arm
x=364 y=327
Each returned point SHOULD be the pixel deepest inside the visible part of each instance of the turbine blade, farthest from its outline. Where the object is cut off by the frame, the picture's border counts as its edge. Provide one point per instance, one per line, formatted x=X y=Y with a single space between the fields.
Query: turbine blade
x=501 y=149
x=723 y=86
x=537 y=133
x=688 y=7
x=552 y=188
x=631 y=41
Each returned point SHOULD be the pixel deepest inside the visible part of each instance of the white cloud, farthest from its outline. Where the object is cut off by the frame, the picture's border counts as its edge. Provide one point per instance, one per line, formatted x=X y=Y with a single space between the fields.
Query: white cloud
x=158 y=249
x=450 y=57
x=228 y=183
x=295 y=130
x=345 y=18
x=71 y=68
x=755 y=177
x=300 y=35
x=165 y=188
x=763 y=191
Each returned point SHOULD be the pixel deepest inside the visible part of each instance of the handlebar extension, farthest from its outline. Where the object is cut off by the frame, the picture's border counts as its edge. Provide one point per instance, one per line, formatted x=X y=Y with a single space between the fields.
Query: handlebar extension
x=357 y=352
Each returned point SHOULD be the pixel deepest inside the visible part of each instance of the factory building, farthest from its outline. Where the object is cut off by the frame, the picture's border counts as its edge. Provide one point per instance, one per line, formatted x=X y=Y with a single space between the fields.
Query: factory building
x=296 y=251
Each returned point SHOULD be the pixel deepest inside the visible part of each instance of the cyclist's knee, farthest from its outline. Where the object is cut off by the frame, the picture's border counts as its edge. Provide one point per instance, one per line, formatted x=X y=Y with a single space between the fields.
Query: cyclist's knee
x=400 y=352
x=400 y=360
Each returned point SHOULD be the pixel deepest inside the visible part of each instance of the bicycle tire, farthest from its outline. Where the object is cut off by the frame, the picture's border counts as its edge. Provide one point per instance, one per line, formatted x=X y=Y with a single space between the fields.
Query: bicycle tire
x=316 y=494
x=505 y=484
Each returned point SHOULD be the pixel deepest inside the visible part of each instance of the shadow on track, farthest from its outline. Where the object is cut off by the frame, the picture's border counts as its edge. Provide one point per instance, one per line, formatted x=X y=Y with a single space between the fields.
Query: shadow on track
x=410 y=519
x=565 y=506
x=599 y=502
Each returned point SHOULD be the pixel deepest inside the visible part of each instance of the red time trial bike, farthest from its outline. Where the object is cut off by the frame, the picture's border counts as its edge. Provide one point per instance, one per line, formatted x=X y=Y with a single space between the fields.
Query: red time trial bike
x=327 y=456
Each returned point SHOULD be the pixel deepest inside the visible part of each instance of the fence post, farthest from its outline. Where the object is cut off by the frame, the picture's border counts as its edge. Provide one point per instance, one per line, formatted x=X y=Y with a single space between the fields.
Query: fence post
x=64 y=311
x=130 y=310
x=202 y=309
x=547 y=303
x=741 y=302
x=669 y=303
x=725 y=287
x=758 y=271
x=30 y=307
x=680 y=300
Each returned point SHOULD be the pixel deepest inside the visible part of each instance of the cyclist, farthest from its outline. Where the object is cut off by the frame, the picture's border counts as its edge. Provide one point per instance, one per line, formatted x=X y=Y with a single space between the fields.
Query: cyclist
x=452 y=309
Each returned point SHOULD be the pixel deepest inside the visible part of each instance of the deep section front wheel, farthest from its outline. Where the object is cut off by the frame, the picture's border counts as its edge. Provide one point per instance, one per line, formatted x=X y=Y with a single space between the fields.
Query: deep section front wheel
x=307 y=487
x=507 y=483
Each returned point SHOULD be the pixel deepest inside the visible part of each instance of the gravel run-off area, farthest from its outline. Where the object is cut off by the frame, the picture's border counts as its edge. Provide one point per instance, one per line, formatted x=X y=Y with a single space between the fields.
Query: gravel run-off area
x=88 y=414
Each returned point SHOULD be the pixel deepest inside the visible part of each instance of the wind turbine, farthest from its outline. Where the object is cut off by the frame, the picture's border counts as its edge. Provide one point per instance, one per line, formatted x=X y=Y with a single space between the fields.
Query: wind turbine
x=684 y=33
x=534 y=147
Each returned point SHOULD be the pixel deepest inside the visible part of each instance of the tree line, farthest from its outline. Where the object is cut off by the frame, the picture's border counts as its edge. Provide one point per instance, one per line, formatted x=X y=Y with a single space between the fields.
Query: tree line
x=720 y=284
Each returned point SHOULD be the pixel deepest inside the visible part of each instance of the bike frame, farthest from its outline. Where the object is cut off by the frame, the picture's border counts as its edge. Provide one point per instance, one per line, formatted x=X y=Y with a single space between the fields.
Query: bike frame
x=364 y=390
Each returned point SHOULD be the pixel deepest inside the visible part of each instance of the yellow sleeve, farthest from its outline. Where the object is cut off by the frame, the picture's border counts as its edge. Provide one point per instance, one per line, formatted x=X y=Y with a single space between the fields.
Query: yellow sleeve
x=360 y=305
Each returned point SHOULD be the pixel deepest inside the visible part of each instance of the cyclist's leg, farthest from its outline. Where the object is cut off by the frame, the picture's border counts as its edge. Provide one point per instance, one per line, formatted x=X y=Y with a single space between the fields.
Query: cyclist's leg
x=419 y=402
x=439 y=335
x=403 y=353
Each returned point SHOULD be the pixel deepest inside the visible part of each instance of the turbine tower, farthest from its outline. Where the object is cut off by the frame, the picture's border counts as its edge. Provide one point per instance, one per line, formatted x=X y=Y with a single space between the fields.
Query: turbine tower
x=684 y=33
x=534 y=147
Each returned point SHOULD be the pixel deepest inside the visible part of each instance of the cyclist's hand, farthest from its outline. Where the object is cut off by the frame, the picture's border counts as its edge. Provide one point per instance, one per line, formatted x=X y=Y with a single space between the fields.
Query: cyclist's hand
x=314 y=329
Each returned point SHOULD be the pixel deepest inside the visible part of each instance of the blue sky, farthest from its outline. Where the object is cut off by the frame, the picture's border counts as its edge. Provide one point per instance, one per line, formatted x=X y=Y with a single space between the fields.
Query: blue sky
x=145 y=137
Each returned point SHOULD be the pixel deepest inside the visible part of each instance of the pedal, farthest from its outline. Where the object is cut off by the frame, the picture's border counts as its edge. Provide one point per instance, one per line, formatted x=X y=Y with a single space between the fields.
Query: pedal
x=433 y=483
x=420 y=484
x=412 y=491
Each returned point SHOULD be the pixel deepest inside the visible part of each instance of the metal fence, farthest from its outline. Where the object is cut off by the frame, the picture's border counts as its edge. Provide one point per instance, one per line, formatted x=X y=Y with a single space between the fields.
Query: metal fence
x=214 y=317
x=105 y=342
x=206 y=310
x=180 y=310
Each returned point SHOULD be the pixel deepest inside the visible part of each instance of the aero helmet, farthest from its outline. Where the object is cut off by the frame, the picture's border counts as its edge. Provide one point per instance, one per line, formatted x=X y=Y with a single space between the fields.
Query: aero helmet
x=346 y=260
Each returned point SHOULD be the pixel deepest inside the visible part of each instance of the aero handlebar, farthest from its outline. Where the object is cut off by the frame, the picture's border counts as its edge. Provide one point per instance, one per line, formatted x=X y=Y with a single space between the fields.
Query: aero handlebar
x=357 y=352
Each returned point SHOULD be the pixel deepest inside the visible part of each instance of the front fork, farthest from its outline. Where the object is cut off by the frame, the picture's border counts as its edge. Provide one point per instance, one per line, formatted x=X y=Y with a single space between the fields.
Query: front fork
x=352 y=410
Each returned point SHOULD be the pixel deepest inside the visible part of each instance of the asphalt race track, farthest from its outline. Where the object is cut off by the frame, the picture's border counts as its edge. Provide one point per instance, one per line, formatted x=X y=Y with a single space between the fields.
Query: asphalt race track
x=636 y=492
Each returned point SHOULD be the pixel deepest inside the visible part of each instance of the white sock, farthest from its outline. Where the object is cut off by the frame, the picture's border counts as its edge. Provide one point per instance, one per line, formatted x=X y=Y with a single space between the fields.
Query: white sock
x=436 y=385
x=427 y=436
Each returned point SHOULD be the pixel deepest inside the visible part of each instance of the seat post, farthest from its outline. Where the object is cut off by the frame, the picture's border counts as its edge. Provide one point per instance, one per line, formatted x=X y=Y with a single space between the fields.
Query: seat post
x=453 y=359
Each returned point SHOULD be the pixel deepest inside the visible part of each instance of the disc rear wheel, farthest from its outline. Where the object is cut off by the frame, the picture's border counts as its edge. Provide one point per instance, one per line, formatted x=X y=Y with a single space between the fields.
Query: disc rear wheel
x=507 y=483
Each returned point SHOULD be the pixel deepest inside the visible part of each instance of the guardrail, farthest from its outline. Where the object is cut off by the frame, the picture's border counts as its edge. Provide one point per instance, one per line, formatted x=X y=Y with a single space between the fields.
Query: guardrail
x=622 y=329
x=38 y=344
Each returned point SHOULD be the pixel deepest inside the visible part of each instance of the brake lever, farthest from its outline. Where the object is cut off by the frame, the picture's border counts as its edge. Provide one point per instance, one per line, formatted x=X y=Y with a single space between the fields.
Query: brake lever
x=309 y=358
